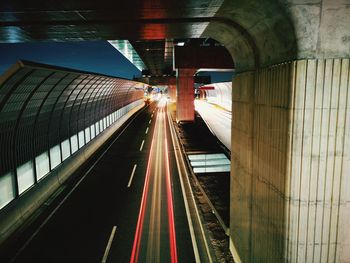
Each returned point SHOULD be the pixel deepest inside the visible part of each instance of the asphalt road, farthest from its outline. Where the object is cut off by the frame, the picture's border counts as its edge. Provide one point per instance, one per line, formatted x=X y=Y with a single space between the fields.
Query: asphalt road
x=129 y=208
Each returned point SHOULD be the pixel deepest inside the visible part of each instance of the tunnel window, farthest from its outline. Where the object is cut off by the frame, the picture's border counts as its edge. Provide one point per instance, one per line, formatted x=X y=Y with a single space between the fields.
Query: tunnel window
x=55 y=156
x=87 y=134
x=65 y=149
x=104 y=123
x=25 y=176
x=97 y=125
x=74 y=143
x=7 y=193
x=92 y=131
x=81 y=139
x=42 y=166
x=101 y=125
x=108 y=121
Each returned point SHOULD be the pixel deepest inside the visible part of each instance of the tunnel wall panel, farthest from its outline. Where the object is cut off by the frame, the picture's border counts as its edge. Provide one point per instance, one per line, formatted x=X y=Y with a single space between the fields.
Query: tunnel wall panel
x=48 y=114
x=16 y=211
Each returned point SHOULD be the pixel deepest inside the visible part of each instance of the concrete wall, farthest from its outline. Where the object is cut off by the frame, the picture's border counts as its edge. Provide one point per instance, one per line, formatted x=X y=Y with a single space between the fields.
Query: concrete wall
x=264 y=33
x=318 y=203
x=290 y=163
x=220 y=95
x=321 y=27
x=241 y=166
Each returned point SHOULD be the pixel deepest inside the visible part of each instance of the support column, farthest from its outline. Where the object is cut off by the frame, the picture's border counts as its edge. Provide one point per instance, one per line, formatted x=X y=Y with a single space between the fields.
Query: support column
x=185 y=95
x=172 y=92
x=290 y=154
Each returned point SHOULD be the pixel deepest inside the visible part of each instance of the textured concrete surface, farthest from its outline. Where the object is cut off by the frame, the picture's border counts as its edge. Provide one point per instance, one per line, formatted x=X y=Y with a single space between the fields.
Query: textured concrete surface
x=264 y=33
x=172 y=92
x=185 y=95
x=319 y=162
x=290 y=163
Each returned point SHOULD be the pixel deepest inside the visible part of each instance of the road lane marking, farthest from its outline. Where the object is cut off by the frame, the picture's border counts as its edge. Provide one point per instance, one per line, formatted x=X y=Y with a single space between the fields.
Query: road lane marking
x=109 y=244
x=146 y=131
x=143 y=141
x=132 y=175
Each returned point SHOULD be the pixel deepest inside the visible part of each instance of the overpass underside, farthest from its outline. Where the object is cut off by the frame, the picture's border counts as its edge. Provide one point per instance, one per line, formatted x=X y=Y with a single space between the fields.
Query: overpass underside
x=290 y=136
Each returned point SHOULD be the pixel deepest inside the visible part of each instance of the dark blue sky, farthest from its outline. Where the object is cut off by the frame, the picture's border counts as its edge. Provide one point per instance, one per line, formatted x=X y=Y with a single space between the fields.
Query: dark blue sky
x=94 y=56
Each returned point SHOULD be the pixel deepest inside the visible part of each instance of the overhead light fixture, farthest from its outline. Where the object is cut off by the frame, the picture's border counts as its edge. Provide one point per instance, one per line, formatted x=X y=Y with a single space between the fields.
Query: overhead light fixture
x=180 y=44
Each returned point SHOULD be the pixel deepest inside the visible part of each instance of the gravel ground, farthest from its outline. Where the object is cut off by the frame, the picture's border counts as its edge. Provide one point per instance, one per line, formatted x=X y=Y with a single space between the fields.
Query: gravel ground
x=217 y=236
x=197 y=137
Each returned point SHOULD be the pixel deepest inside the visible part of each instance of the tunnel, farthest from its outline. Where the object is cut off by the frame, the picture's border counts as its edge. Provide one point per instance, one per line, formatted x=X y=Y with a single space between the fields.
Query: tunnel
x=290 y=134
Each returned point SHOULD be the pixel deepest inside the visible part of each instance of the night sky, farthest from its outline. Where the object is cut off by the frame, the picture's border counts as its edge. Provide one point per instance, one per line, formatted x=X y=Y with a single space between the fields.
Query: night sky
x=93 y=56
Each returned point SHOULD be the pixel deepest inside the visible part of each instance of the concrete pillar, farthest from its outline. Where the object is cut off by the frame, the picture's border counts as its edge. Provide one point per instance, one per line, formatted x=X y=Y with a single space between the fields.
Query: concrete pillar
x=185 y=95
x=172 y=92
x=290 y=153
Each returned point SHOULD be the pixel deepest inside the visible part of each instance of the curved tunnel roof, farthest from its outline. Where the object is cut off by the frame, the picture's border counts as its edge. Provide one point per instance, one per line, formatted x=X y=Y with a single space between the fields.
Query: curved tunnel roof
x=41 y=106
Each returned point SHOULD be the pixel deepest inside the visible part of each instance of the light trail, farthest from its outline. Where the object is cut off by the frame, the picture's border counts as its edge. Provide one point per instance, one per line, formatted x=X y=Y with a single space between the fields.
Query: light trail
x=137 y=238
x=156 y=209
x=172 y=235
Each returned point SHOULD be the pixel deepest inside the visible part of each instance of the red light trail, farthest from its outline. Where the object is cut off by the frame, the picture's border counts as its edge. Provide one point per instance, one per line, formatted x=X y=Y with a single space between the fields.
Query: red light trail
x=157 y=170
